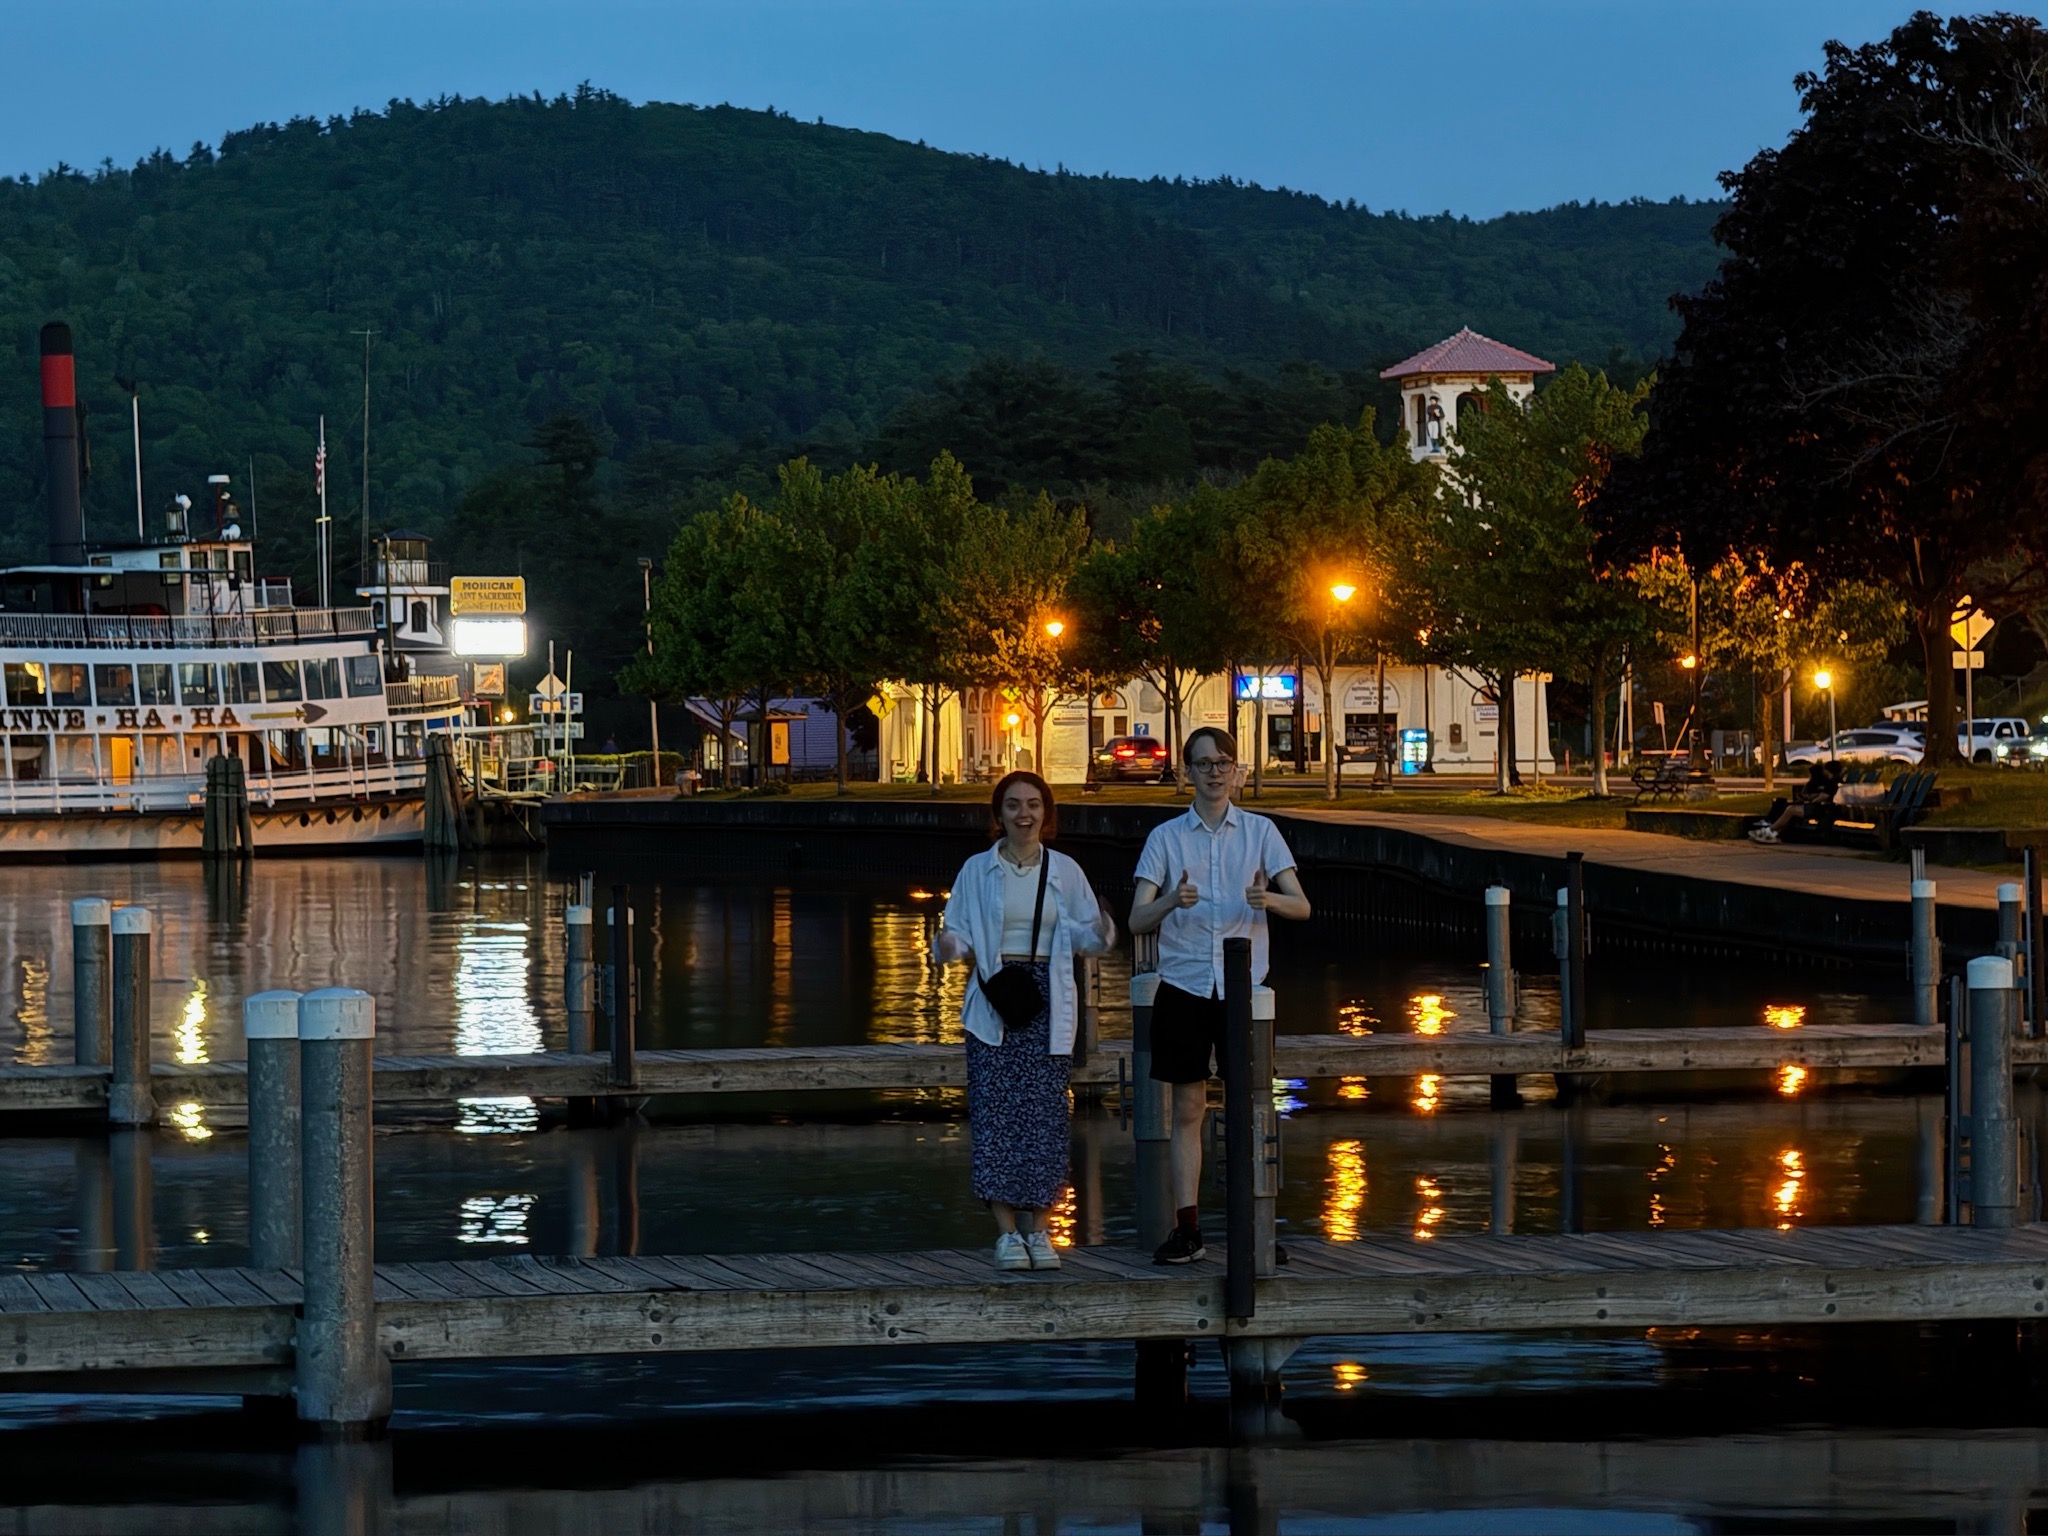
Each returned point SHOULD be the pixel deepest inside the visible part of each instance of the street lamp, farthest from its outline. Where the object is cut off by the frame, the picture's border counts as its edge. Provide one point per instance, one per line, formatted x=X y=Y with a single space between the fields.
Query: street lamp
x=1341 y=592
x=1824 y=680
x=647 y=613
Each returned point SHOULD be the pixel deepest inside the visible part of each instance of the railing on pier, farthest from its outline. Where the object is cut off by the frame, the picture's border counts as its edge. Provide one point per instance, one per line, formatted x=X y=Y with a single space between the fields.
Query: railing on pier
x=417 y=695
x=126 y=631
x=408 y=573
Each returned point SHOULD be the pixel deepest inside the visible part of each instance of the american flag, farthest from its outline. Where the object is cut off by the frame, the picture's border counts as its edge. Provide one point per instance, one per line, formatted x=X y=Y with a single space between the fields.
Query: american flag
x=320 y=463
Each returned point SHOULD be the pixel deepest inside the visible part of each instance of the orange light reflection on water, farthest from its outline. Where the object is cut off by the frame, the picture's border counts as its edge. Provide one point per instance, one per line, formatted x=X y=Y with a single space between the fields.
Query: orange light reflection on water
x=1346 y=1189
x=1426 y=1093
x=1351 y=1088
x=1784 y=1015
x=1786 y=1198
x=1355 y=1019
x=1791 y=1079
x=1059 y=1221
x=1348 y=1374
x=1428 y=1014
x=1431 y=1213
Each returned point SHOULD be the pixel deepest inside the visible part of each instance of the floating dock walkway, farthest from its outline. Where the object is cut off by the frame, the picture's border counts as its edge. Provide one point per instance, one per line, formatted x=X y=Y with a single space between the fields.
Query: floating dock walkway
x=233 y=1329
x=792 y=1069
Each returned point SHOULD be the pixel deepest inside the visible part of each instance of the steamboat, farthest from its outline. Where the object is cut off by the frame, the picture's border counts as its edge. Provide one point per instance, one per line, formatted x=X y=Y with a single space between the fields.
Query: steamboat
x=126 y=666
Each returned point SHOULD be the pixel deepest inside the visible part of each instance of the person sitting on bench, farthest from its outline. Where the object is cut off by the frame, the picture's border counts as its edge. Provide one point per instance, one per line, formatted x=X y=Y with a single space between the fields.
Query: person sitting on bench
x=1822 y=782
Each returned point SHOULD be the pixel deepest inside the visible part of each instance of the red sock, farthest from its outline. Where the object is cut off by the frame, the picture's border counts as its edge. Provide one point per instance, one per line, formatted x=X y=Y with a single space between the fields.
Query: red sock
x=1188 y=1219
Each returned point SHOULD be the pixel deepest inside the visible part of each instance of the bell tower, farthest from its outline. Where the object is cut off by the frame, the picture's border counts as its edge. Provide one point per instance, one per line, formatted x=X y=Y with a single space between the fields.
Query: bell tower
x=1440 y=383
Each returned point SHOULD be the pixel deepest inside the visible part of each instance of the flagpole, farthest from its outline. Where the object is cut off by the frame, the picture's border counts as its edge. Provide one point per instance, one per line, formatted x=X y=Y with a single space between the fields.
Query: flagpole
x=326 y=597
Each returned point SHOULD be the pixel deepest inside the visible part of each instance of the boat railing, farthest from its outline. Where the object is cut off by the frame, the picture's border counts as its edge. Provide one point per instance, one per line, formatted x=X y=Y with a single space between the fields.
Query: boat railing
x=129 y=631
x=144 y=794
x=413 y=695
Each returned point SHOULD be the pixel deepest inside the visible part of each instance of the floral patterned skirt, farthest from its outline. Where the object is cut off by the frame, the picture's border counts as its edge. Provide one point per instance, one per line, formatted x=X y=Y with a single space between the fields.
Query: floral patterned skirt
x=1017 y=1115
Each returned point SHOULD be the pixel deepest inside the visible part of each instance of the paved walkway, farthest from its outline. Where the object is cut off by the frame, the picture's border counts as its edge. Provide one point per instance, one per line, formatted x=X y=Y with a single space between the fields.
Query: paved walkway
x=1837 y=872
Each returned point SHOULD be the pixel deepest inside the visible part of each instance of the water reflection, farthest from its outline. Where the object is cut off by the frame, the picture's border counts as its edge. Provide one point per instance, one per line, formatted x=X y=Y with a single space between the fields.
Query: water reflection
x=1791 y=1079
x=1428 y=1014
x=1426 y=1097
x=1346 y=1181
x=1784 y=1015
x=1786 y=1197
x=495 y=1219
x=1429 y=1192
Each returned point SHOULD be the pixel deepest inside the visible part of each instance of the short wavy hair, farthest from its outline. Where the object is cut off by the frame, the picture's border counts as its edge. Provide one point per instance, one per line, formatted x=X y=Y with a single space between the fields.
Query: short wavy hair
x=1046 y=833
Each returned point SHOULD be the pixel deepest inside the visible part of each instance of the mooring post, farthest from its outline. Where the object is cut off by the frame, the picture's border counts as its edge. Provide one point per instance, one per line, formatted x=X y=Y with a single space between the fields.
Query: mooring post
x=1994 y=1133
x=1240 y=1132
x=1500 y=986
x=1162 y=1376
x=245 y=825
x=1955 y=1106
x=1926 y=957
x=1575 y=939
x=579 y=987
x=343 y=1380
x=624 y=1071
x=92 y=998
x=344 y=1488
x=270 y=1023
x=2033 y=984
x=2009 y=913
x=129 y=1099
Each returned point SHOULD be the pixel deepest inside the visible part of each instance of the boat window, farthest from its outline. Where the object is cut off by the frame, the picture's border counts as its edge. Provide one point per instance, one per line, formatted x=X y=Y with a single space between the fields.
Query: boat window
x=244 y=563
x=68 y=684
x=153 y=683
x=364 y=677
x=323 y=677
x=238 y=682
x=419 y=618
x=196 y=682
x=114 y=682
x=281 y=682
x=25 y=683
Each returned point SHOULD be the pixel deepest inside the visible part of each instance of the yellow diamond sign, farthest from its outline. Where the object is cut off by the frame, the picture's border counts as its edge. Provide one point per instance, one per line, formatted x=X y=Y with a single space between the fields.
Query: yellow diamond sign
x=486 y=594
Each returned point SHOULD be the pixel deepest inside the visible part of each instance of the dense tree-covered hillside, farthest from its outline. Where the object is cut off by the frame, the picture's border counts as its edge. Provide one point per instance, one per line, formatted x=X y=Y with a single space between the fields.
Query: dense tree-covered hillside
x=708 y=288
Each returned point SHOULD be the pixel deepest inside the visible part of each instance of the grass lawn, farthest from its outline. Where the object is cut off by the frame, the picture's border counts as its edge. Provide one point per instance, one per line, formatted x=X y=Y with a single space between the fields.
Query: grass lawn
x=1999 y=797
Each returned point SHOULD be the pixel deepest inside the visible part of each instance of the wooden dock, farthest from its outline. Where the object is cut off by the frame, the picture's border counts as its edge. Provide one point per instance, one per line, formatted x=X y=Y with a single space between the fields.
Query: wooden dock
x=854 y=1068
x=232 y=1329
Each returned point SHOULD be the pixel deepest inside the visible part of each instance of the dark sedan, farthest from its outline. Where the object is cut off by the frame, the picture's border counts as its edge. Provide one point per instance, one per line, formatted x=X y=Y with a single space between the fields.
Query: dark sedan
x=1131 y=757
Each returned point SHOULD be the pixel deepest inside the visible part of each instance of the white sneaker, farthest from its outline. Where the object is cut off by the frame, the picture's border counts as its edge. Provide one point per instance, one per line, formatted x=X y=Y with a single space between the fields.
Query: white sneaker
x=1043 y=1254
x=1762 y=835
x=1011 y=1252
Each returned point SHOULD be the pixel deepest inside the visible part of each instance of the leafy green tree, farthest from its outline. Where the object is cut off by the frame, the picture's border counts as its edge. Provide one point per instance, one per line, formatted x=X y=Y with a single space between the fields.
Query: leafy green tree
x=1520 y=583
x=1341 y=513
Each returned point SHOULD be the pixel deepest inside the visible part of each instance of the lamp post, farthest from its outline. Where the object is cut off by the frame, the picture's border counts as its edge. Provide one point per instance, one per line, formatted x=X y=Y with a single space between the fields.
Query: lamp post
x=1824 y=680
x=1054 y=628
x=1341 y=593
x=1695 y=744
x=1010 y=723
x=647 y=619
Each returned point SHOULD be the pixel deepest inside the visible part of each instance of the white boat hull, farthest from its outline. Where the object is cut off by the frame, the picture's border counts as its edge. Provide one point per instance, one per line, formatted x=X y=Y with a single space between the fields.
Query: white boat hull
x=377 y=824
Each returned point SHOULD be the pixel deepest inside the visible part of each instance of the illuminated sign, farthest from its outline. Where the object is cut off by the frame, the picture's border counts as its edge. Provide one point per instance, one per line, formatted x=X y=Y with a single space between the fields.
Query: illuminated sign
x=489 y=637
x=1276 y=687
x=487 y=594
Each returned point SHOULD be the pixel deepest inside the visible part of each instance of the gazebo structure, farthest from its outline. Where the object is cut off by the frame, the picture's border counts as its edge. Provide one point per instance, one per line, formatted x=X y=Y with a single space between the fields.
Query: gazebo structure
x=1440 y=383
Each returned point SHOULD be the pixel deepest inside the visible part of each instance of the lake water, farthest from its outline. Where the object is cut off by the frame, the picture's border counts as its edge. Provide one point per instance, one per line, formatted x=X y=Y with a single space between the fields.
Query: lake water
x=1395 y=1434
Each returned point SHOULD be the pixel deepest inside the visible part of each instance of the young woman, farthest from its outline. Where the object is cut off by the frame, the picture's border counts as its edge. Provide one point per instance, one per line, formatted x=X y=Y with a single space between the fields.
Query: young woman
x=1017 y=1066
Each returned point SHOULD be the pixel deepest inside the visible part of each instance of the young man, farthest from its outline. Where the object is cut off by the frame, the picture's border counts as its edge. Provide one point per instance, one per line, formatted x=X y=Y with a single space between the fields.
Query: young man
x=1216 y=873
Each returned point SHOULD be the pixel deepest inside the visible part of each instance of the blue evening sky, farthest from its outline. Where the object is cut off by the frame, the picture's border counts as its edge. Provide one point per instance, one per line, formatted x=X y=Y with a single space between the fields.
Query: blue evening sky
x=1474 y=107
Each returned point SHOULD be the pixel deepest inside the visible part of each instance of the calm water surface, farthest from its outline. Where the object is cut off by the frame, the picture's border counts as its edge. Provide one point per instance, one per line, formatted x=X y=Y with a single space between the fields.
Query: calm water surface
x=467 y=958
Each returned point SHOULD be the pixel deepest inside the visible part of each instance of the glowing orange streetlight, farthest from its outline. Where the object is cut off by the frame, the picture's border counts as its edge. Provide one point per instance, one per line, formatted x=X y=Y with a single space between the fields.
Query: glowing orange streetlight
x=1055 y=628
x=1343 y=591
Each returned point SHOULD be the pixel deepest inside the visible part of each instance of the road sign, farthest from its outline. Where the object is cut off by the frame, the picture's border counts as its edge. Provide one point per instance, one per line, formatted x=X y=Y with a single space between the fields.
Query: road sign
x=1968 y=626
x=469 y=595
x=549 y=687
x=1967 y=660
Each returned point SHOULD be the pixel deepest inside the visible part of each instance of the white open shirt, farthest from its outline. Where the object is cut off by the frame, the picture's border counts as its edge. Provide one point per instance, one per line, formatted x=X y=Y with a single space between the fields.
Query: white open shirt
x=1222 y=865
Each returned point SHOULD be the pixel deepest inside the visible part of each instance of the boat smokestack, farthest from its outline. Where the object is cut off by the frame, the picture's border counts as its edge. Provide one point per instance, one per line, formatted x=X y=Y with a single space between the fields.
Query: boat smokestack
x=60 y=448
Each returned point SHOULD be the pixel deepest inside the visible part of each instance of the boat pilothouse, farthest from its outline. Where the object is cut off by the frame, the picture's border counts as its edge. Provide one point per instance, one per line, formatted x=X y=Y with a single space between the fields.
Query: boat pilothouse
x=125 y=666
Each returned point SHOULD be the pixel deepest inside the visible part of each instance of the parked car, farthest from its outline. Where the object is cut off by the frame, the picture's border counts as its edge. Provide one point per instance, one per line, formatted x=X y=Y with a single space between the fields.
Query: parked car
x=1998 y=739
x=1869 y=744
x=1131 y=757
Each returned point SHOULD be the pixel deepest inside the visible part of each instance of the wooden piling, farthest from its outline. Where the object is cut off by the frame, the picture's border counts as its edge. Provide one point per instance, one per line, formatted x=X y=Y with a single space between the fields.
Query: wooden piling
x=1575 y=939
x=130 y=1100
x=1994 y=1133
x=1500 y=986
x=1926 y=951
x=343 y=1381
x=270 y=1021
x=1240 y=1133
x=624 y=1071
x=579 y=989
x=92 y=998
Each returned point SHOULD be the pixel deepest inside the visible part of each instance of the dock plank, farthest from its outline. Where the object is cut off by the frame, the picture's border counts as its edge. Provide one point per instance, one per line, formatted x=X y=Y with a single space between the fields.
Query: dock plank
x=17 y=1295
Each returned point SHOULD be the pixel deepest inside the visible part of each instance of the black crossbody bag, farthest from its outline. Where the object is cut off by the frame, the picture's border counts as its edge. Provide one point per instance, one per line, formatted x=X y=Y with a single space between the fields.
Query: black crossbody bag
x=1012 y=991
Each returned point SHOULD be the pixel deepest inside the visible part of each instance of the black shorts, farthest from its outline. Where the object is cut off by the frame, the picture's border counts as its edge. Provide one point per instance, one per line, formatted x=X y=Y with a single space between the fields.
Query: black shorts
x=1186 y=1031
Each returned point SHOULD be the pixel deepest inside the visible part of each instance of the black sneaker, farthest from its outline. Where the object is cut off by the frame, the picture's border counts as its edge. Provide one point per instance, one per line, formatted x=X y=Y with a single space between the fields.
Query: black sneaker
x=1180 y=1247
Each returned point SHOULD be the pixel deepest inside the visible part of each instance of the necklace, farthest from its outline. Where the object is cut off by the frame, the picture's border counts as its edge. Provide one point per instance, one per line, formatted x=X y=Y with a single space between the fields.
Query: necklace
x=1003 y=853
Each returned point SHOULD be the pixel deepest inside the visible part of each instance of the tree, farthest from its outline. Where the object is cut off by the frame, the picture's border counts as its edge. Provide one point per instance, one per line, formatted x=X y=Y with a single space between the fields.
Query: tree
x=1520 y=584
x=717 y=632
x=1767 y=623
x=1341 y=513
x=1821 y=401
x=1008 y=581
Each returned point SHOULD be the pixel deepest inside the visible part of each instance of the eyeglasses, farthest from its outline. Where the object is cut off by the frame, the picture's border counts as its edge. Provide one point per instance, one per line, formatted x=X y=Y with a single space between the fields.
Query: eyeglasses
x=1211 y=764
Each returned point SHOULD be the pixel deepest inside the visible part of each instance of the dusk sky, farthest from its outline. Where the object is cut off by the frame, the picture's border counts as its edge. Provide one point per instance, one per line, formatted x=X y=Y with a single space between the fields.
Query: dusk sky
x=1478 y=108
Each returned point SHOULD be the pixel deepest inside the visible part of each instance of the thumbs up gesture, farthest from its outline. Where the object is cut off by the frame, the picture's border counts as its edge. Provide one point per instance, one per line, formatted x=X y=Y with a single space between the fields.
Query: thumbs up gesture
x=1185 y=893
x=1255 y=893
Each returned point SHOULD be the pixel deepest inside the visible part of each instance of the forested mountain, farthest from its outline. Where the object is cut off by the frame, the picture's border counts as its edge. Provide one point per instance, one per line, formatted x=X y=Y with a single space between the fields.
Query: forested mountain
x=709 y=288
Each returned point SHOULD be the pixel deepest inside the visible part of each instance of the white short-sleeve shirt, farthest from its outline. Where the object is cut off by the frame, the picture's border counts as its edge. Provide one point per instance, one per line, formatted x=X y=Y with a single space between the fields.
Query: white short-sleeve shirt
x=1222 y=865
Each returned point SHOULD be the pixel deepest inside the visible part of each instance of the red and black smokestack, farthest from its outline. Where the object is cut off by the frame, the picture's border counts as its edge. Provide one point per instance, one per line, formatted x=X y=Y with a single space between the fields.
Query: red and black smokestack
x=61 y=456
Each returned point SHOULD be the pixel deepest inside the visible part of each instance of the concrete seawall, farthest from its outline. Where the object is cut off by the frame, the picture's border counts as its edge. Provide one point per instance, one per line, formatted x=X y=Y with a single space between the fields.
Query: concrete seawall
x=1373 y=871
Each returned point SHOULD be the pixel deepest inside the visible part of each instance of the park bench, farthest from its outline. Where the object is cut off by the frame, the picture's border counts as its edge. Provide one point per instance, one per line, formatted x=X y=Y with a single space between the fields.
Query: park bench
x=1663 y=776
x=1879 y=822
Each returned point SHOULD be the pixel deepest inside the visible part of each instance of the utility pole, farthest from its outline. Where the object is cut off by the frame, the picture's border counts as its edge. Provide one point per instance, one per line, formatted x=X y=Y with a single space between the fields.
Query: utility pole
x=366 y=333
x=647 y=609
